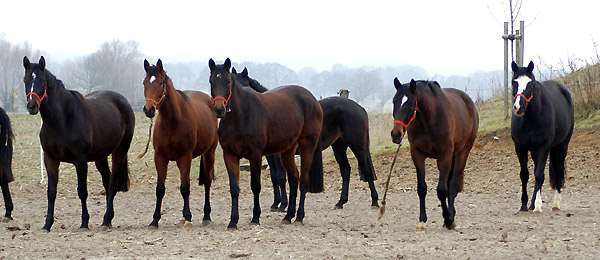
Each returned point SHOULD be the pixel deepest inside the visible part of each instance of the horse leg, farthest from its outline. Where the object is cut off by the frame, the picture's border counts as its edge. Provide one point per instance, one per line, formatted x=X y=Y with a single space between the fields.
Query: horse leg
x=255 y=169
x=82 y=168
x=8 y=205
x=52 y=170
x=445 y=164
x=308 y=147
x=233 y=169
x=207 y=163
x=287 y=159
x=521 y=151
x=367 y=172
x=339 y=151
x=419 y=162
x=557 y=171
x=184 y=164
x=161 y=169
x=540 y=156
x=102 y=166
x=281 y=180
x=274 y=180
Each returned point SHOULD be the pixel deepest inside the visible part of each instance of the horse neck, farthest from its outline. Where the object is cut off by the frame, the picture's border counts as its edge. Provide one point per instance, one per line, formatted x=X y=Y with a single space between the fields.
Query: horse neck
x=428 y=108
x=242 y=104
x=170 y=109
x=535 y=110
x=53 y=107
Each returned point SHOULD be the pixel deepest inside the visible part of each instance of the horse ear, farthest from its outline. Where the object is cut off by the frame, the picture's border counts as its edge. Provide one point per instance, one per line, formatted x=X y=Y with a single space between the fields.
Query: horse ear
x=26 y=62
x=233 y=70
x=227 y=64
x=413 y=86
x=397 y=83
x=514 y=66
x=530 y=67
x=146 y=65
x=211 y=64
x=42 y=63
x=159 y=65
x=245 y=72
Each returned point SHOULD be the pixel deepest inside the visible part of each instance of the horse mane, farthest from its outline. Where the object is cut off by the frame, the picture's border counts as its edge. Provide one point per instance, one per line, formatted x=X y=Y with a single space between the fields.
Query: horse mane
x=170 y=82
x=431 y=86
x=254 y=84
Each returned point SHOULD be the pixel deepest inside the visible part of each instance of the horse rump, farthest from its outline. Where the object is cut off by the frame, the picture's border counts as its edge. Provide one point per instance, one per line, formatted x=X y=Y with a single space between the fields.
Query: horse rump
x=6 y=148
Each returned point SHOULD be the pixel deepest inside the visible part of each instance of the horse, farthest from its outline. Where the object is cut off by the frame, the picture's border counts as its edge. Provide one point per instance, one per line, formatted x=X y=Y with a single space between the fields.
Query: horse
x=186 y=128
x=441 y=124
x=77 y=130
x=6 y=151
x=254 y=124
x=542 y=123
x=345 y=124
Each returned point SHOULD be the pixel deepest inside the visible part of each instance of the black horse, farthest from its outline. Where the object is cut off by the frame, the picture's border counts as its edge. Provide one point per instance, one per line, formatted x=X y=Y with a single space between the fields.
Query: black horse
x=77 y=130
x=542 y=123
x=345 y=124
x=6 y=151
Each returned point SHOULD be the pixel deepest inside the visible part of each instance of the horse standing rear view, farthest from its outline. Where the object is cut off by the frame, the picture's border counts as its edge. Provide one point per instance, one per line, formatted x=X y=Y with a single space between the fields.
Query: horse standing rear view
x=542 y=123
x=441 y=124
x=6 y=151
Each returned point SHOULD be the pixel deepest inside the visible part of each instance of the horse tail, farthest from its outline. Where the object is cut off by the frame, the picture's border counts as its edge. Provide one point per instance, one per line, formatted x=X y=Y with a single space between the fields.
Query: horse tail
x=120 y=165
x=316 y=171
x=6 y=148
x=204 y=177
x=369 y=175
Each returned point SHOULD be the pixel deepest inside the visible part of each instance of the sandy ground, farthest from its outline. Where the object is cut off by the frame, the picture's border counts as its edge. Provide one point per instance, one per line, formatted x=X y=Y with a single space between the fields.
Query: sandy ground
x=489 y=225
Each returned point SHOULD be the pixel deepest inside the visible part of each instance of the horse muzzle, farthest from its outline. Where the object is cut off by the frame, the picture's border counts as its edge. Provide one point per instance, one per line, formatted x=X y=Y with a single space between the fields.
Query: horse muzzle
x=397 y=134
x=32 y=107
x=220 y=108
x=149 y=112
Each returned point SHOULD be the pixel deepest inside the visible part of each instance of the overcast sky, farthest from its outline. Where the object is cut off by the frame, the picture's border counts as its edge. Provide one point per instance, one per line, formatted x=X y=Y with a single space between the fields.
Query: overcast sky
x=444 y=37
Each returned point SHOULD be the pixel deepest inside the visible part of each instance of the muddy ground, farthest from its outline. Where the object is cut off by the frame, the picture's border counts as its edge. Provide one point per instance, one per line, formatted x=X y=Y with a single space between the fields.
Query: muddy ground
x=489 y=225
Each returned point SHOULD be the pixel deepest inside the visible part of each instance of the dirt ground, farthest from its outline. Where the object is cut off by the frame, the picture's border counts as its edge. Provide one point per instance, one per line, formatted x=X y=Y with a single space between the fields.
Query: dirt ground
x=489 y=225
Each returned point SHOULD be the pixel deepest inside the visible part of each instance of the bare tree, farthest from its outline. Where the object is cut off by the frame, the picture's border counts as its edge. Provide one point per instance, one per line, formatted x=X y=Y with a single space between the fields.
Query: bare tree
x=362 y=84
x=11 y=71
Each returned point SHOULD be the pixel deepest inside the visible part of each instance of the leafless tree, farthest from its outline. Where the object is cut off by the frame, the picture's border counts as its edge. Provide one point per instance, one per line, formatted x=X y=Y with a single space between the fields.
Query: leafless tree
x=11 y=71
x=363 y=83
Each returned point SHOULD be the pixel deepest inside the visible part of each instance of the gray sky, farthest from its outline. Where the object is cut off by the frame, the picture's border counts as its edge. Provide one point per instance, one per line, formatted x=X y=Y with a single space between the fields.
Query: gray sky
x=444 y=37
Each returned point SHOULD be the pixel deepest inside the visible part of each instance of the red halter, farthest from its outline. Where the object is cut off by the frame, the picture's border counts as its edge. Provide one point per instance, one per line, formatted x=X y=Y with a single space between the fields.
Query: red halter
x=157 y=104
x=524 y=97
x=411 y=119
x=39 y=100
x=222 y=98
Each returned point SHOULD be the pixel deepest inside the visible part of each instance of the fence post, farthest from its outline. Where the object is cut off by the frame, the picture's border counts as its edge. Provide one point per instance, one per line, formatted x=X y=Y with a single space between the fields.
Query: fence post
x=344 y=93
x=521 y=42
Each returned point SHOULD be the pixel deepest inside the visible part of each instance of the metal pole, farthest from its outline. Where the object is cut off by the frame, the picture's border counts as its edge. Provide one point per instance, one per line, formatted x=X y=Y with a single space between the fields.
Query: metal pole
x=518 y=56
x=505 y=70
x=522 y=42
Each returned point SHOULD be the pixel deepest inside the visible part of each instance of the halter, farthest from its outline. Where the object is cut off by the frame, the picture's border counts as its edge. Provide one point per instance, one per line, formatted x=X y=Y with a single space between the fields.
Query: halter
x=524 y=97
x=162 y=98
x=39 y=100
x=411 y=119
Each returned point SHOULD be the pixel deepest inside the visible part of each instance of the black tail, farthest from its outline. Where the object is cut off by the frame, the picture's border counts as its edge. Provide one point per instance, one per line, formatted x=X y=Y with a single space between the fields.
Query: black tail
x=316 y=171
x=6 y=148
x=204 y=177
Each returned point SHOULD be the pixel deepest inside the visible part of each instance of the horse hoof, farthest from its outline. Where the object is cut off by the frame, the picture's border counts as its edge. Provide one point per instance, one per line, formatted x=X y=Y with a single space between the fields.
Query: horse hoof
x=555 y=208
x=281 y=209
x=421 y=226
x=375 y=207
x=451 y=226
x=537 y=210
x=338 y=207
x=104 y=228
x=286 y=222
x=83 y=229
x=6 y=219
x=275 y=209
x=206 y=222
x=298 y=223
x=188 y=224
x=152 y=227
x=231 y=228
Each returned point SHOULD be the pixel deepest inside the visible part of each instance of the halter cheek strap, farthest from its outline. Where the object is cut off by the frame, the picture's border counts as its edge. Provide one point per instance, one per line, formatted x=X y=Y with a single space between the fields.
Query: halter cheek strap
x=405 y=125
x=226 y=100
x=39 y=100
x=157 y=104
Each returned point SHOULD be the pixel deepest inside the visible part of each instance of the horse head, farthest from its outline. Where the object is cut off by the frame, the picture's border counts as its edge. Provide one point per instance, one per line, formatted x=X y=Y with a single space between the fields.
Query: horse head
x=405 y=108
x=36 y=84
x=523 y=83
x=155 y=87
x=221 y=83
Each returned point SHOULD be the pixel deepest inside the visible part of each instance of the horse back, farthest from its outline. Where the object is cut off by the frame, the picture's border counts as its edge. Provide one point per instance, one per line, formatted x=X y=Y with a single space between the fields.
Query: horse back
x=346 y=119
x=464 y=116
x=560 y=99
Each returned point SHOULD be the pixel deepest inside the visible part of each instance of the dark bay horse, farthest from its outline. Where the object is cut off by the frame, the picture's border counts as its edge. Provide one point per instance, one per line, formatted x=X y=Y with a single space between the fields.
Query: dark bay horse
x=254 y=124
x=186 y=127
x=441 y=124
x=77 y=130
x=345 y=124
x=6 y=151
x=542 y=123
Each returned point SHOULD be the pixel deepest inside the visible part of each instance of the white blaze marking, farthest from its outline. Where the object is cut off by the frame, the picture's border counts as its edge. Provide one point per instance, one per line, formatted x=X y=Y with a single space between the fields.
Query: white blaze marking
x=538 y=202
x=152 y=79
x=218 y=75
x=404 y=99
x=521 y=85
x=557 y=200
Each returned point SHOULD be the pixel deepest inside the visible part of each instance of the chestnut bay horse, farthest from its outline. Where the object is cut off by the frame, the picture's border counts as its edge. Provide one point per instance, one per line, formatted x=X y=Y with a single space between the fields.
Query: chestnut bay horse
x=6 y=151
x=254 y=124
x=186 y=127
x=77 y=130
x=345 y=124
x=441 y=124
x=542 y=123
